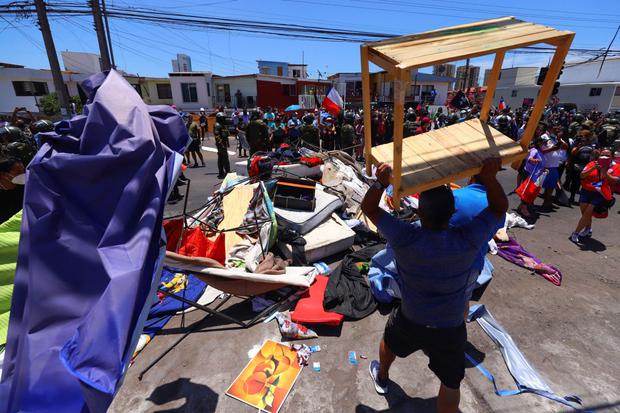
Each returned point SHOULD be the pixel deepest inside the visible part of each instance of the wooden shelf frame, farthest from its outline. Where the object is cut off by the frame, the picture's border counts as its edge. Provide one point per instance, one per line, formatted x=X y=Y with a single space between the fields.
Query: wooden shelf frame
x=398 y=56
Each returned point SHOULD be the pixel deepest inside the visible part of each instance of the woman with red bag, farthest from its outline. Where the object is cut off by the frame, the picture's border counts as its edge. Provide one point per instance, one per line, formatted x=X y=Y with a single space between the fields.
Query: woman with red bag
x=596 y=192
x=528 y=191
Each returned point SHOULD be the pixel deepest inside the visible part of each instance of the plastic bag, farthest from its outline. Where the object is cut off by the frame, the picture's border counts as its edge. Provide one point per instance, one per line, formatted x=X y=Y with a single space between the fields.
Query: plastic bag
x=290 y=329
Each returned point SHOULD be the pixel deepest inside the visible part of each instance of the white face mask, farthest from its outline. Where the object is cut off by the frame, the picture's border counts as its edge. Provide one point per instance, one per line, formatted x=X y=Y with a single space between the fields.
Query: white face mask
x=19 y=179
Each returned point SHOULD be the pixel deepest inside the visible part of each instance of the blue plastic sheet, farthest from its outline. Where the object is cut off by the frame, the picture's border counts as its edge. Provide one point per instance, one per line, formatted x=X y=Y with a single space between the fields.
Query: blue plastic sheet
x=91 y=250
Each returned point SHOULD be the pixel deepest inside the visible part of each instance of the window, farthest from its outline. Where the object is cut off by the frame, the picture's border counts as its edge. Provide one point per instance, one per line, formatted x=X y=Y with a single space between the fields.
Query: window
x=617 y=92
x=250 y=100
x=30 y=88
x=296 y=73
x=596 y=91
x=428 y=88
x=208 y=89
x=289 y=90
x=280 y=70
x=164 y=91
x=137 y=88
x=514 y=93
x=188 y=90
x=415 y=90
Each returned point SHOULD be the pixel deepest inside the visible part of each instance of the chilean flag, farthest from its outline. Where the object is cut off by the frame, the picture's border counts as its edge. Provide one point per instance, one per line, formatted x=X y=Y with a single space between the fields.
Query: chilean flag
x=333 y=102
x=502 y=105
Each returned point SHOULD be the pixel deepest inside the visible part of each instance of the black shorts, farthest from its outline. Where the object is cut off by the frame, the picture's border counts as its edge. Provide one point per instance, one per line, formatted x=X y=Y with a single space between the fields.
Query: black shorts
x=445 y=347
x=194 y=146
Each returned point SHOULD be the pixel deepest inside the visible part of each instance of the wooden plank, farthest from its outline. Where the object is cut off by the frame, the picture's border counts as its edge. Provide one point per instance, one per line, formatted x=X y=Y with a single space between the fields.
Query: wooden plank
x=452 y=145
x=463 y=42
x=460 y=37
x=235 y=205
x=447 y=31
x=382 y=60
x=435 y=154
x=491 y=85
x=482 y=48
x=399 y=114
x=500 y=144
x=545 y=91
x=366 y=104
x=475 y=52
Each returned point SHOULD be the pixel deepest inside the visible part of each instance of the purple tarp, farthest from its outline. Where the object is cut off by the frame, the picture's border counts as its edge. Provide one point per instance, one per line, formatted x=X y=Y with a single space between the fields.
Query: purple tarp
x=90 y=250
x=512 y=251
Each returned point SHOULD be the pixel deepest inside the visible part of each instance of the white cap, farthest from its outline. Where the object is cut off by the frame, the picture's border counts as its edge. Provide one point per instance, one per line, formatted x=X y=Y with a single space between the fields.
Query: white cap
x=202 y=109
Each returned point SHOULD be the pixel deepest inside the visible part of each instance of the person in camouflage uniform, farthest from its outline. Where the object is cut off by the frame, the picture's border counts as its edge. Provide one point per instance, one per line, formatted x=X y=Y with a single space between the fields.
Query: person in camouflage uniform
x=221 y=138
x=257 y=135
x=347 y=133
x=410 y=125
x=310 y=134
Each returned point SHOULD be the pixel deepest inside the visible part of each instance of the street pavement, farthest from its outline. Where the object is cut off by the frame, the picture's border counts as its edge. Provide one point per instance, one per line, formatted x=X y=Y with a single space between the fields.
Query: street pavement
x=570 y=334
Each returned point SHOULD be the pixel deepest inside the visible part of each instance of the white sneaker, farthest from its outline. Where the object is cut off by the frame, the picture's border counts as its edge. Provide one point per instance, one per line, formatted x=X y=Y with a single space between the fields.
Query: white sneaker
x=380 y=386
x=586 y=233
x=574 y=237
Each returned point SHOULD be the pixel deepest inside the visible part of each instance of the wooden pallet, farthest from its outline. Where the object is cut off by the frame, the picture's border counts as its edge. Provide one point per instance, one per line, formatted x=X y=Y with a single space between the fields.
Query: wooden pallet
x=440 y=156
x=447 y=154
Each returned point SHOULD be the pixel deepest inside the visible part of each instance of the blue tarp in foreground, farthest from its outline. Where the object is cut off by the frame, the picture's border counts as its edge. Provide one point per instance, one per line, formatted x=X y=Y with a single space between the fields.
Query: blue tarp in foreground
x=90 y=250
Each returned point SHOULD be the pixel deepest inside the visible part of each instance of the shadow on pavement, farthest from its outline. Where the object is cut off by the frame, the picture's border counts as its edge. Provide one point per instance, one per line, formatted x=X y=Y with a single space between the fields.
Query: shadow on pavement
x=591 y=244
x=399 y=401
x=198 y=397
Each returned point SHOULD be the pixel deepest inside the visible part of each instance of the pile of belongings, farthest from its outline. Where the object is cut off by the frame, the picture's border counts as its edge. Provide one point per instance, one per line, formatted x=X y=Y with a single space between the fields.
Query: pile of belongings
x=283 y=161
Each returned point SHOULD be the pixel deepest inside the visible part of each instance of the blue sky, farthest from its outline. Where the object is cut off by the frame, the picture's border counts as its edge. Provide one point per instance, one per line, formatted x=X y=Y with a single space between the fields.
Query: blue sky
x=147 y=49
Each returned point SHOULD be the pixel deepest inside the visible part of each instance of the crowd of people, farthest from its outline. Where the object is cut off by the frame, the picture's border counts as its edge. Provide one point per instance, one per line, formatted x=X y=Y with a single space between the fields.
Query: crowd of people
x=564 y=146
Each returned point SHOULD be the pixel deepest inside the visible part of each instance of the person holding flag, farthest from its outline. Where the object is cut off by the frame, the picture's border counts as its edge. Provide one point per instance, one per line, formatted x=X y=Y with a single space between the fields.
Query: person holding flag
x=502 y=104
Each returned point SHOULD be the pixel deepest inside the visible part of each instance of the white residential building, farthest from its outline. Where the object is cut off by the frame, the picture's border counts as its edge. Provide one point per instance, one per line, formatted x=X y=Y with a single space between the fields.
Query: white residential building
x=191 y=90
x=580 y=84
x=23 y=87
x=235 y=91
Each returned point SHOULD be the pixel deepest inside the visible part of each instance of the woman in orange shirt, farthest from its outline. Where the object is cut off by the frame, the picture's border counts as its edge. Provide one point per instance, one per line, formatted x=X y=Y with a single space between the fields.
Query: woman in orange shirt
x=594 y=183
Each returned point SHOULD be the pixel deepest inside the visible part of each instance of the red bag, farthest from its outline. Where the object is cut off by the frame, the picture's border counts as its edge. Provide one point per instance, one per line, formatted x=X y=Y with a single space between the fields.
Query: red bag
x=195 y=244
x=173 y=228
x=530 y=188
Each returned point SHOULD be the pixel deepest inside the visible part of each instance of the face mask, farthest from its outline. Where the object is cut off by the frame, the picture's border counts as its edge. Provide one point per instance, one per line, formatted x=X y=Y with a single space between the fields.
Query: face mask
x=604 y=161
x=19 y=179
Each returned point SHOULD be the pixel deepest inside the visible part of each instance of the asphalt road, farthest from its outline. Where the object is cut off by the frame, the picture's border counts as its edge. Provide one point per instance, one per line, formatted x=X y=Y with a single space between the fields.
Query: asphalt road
x=570 y=334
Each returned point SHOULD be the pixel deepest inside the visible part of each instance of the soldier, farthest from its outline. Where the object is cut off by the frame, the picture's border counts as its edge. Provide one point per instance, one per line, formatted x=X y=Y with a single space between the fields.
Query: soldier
x=347 y=133
x=194 y=147
x=310 y=134
x=410 y=125
x=221 y=138
x=575 y=126
x=609 y=132
x=257 y=135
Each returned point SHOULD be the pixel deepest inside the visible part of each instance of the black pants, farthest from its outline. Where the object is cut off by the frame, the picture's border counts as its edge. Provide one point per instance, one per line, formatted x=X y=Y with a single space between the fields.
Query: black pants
x=223 y=164
x=573 y=178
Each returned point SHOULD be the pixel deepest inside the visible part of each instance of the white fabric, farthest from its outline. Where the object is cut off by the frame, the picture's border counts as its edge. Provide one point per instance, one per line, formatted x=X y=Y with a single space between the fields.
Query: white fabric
x=514 y=220
x=296 y=276
x=329 y=238
x=208 y=296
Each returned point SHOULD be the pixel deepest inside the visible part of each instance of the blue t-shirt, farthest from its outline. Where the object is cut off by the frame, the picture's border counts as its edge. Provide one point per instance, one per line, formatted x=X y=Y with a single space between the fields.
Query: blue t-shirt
x=469 y=201
x=437 y=268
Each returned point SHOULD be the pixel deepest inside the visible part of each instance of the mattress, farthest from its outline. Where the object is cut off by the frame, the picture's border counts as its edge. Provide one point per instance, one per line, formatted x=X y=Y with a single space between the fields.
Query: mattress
x=329 y=238
x=293 y=170
x=305 y=221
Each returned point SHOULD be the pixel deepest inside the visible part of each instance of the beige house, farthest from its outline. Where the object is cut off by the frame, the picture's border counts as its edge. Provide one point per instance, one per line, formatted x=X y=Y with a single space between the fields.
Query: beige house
x=153 y=90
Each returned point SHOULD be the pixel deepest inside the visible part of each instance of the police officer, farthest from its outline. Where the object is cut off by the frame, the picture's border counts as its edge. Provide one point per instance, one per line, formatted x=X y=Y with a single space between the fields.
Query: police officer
x=310 y=133
x=347 y=133
x=257 y=135
x=410 y=125
x=221 y=138
x=293 y=129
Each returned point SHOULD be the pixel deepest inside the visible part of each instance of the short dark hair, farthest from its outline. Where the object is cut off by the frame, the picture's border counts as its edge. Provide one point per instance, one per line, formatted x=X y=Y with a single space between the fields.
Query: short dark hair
x=436 y=207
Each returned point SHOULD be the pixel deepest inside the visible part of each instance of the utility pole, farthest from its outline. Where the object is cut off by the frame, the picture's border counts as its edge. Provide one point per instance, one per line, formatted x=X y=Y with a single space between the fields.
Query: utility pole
x=59 y=84
x=103 y=45
x=107 y=30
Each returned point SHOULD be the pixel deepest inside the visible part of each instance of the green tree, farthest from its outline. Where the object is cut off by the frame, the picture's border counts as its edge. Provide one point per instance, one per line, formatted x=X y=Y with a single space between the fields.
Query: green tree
x=49 y=104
